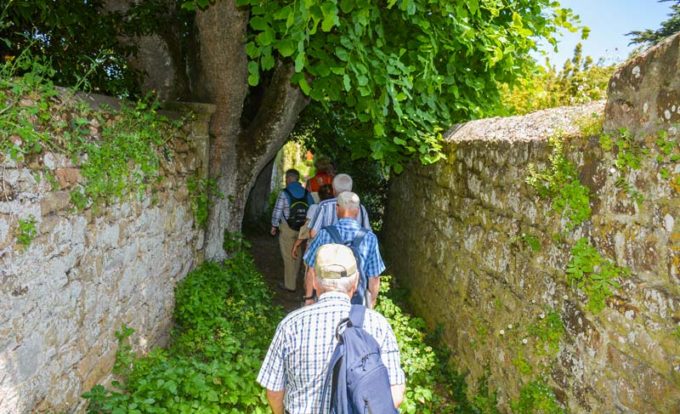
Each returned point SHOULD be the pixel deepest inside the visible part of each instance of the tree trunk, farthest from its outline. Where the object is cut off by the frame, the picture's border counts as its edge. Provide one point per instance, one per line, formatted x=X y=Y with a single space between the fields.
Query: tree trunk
x=257 y=203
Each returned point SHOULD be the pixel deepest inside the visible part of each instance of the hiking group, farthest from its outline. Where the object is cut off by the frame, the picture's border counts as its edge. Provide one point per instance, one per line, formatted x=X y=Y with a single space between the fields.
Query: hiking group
x=335 y=354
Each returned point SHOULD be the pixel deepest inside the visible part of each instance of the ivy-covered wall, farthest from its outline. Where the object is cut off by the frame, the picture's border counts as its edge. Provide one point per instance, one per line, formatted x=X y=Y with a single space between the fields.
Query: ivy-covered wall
x=549 y=249
x=74 y=269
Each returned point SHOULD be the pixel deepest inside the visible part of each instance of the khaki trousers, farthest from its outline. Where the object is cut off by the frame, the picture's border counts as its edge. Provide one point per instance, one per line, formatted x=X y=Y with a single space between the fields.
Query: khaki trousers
x=291 y=267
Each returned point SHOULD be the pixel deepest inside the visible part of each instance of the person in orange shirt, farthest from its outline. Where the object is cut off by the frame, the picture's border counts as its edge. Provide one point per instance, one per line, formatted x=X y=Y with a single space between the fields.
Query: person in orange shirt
x=324 y=176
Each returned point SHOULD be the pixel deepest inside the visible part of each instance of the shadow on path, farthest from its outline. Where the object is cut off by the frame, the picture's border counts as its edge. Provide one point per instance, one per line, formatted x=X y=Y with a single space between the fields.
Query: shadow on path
x=265 y=251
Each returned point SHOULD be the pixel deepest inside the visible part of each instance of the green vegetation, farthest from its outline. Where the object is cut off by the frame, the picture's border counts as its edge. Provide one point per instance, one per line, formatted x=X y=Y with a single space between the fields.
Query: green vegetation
x=394 y=79
x=536 y=397
x=532 y=241
x=548 y=331
x=629 y=156
x=561 y=184
x=224 y=322
x=201 y=192
x=26 y=231
x=595 y=275
x=119 y=152
x=579 y=81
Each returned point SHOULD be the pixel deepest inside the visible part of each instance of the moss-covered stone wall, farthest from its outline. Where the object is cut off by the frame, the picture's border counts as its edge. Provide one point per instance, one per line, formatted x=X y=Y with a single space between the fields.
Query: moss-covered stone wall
x=515 y=283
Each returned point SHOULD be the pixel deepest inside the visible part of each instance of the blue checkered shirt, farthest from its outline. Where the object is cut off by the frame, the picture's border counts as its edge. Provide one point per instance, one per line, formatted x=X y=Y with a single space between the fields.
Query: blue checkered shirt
x=304 y=341
x=327 y=214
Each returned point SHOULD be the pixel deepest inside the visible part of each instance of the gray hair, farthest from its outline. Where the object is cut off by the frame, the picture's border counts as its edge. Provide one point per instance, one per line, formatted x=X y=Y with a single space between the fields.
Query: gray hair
x=293 y=174
x=342 y=183
x=342 y=285
x=348 y=200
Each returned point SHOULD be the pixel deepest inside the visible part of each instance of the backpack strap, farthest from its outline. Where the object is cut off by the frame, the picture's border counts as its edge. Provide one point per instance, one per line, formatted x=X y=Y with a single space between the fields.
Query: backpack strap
x=334 y=233
x=292 y=199
x=356 y=316
x=359 y=238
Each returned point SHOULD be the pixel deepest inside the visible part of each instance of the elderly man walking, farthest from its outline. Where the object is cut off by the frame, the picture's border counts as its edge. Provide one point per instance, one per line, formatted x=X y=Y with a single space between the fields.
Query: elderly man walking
x=347 y=228
x=289 y=214
x=296 y=364
x=326 y=214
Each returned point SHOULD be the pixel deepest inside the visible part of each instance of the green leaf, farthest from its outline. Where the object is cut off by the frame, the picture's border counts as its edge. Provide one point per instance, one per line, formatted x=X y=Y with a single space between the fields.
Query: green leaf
x=346 y=82
x=267 y=62
x=299 y=62
x=330 y=15
x=259 y=23
x=286 y=47
x=304 y=86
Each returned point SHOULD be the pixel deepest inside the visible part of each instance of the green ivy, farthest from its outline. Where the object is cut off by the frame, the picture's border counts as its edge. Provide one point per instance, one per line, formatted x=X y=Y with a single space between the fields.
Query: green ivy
x=119 y=152
x=26 y=231
x=224 y=322
x=561 y=184
x=201 y=193
x=536 y=397
x=595 y=275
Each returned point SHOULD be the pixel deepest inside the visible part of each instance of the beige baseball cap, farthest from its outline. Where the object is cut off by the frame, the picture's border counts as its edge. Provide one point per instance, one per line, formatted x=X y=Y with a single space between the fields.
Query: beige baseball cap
x=335 y=261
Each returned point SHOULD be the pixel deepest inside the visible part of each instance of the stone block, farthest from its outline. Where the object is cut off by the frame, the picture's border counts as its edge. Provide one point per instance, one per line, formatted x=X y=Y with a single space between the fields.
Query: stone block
x=54 y=201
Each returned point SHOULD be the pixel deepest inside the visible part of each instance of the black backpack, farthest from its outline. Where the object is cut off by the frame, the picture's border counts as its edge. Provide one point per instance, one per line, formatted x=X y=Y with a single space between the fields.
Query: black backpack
x=360 y=296
x=297 y=214
x=357 y=379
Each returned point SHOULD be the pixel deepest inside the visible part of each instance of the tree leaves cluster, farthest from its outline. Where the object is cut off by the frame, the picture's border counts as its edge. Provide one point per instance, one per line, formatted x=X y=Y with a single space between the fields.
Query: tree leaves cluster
x=396 y=73
x=79 y=40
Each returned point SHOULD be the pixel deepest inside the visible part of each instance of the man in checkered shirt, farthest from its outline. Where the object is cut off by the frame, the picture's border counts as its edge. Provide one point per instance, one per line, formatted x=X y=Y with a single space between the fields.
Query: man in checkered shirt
x=295 y=367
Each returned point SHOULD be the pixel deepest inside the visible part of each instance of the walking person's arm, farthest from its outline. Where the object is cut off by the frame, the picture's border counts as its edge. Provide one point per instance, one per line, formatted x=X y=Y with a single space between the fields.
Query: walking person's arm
x=277 y=213
x=275 y=399
x=374 y=289
x=398 y=394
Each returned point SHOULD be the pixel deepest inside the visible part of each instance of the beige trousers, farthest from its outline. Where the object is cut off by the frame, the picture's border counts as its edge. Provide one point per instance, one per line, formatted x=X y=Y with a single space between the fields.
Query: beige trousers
x=291 y=267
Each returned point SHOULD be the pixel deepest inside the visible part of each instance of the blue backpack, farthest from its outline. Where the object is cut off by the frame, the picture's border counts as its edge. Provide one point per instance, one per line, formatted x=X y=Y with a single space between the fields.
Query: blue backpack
x=359 y=297
x=357 y=378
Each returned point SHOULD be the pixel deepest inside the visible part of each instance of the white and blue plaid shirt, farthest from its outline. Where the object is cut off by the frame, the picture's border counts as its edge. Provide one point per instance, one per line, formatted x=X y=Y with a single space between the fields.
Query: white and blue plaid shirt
x=304 y=341
x=327 y=214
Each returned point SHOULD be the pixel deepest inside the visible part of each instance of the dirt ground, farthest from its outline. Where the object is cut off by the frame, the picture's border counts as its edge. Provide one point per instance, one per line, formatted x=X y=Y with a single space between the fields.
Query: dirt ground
x=265 y=251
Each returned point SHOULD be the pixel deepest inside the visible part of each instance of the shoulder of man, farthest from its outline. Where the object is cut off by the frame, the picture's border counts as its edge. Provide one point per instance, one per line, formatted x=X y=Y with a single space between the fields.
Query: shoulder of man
x=377 y=321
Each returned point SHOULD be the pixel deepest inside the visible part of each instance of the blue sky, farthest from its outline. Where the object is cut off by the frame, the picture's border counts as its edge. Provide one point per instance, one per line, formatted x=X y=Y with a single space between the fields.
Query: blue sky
x=609 y=21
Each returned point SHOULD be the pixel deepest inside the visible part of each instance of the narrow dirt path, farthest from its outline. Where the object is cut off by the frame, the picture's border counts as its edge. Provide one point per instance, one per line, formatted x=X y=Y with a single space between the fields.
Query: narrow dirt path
x=265 y=251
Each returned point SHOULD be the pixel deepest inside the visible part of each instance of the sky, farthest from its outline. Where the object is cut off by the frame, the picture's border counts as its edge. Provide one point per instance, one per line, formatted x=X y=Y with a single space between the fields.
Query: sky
x=609 y=21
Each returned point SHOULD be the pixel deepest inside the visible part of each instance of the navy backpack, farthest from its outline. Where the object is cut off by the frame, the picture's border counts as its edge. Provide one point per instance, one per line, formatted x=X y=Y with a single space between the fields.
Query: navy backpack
x=357 y=378
x=360 y=297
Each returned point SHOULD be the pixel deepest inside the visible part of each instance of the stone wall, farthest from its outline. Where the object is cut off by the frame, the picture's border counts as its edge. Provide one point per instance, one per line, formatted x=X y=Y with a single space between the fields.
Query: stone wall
x=486 y=257
x=88 y=273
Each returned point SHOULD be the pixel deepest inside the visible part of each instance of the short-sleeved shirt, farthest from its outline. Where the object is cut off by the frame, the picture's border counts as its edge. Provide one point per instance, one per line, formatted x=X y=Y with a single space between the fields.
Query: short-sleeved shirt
x=327 y=214
x=372 y=264
x=304 y=341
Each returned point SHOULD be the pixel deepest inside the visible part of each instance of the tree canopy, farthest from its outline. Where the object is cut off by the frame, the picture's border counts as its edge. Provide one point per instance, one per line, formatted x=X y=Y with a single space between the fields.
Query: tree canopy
x=668 y=27
x=390 y=75
x=398 y=72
